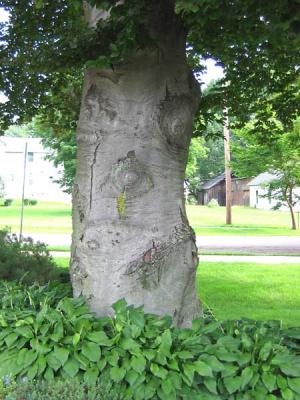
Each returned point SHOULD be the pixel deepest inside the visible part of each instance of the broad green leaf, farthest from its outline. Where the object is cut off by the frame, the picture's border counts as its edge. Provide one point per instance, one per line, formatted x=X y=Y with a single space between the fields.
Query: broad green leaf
x=138 y=364
x=184 y=355
x=211 y=384
x=24 y=331
x=246 y=376
x=266 y=351
x=176 y=379
x=100 y=338
x=294 y=384
x=189 y=371
x=149 y=354
x=158 y=371
x=166 y=342
x=281 y=382
x=29 y=358
x=10 y=339
x=128 y=344
x=117 y=373
x=101 y=364
x=120 y=306
x=167 y=386
x=91 y=351
x=76 y=339
x=61 y=354
x=202 y=368
x=213 y=363
x=52 y=361
x=91 y=375
x=269 y=380
x=287 y=394
x=229 y=370
x=112 y=357
x=131 y=376
x=49 y=375
x=232 y=383
x=32 y=371
x=71 y=367
x=42 y=364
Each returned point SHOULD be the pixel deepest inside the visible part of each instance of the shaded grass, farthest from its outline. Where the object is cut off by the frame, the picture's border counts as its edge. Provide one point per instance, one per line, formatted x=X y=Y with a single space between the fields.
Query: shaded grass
x=258 y=291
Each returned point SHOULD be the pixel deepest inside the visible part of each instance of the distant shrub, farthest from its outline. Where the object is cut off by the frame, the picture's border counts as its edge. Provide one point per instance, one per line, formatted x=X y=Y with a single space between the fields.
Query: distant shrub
x=28 y=261
x=30 y=202
x=7 y=202
x=213 y=203
x=33 y=202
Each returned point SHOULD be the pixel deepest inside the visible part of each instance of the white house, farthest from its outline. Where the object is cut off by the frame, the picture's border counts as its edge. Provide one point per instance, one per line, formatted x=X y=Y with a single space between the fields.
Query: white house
x=41 y=174
x=258 y=191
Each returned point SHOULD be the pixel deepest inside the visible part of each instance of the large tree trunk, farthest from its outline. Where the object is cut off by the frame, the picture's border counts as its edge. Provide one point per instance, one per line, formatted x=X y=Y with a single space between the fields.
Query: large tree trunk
x=131 y=237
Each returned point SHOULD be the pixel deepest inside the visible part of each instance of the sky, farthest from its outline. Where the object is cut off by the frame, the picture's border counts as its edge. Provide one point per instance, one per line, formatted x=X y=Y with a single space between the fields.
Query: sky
x=212 y=72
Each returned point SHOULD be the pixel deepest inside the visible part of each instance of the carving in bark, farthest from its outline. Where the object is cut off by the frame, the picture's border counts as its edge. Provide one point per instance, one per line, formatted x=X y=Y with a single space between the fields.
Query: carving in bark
x=131 y=237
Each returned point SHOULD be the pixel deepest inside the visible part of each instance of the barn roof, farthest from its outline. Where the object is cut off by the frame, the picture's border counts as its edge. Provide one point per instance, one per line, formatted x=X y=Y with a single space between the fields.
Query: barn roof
x=213 y=182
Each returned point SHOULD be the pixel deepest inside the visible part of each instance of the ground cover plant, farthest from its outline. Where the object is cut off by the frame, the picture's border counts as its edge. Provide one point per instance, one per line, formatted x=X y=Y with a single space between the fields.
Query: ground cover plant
x=260 y=291
x=45 y=335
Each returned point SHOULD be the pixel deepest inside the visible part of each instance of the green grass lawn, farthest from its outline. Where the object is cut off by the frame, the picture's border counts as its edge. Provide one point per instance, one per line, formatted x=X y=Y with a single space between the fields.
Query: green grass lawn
x=257 y=291
x=247 y=221
x=50 y=217
x=45 y=217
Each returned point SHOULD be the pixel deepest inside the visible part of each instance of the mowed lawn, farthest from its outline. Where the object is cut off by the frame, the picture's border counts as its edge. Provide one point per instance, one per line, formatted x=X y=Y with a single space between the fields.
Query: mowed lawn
x=50 y=217
x=237 y=290
x=257 y=291
x=45 y=217
x=246 y=221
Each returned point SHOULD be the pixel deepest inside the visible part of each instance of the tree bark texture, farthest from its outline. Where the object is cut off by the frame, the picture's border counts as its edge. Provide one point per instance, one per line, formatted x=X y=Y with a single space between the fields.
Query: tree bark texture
x=131 y=237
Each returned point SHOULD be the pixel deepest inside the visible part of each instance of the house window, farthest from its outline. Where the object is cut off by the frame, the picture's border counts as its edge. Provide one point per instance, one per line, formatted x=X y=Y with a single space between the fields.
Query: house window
x=256 y=197
x=30 y=156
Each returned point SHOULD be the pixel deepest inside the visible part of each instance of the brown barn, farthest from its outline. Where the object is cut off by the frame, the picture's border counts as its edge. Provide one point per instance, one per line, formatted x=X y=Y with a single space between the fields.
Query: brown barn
x=215 y=189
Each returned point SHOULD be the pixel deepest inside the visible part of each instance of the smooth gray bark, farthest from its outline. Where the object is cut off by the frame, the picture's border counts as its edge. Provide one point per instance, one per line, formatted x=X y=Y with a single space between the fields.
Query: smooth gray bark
x=131 y=237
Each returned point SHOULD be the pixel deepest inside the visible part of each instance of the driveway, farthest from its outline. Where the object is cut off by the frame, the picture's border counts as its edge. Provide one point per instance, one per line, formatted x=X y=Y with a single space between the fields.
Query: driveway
x=249 y=244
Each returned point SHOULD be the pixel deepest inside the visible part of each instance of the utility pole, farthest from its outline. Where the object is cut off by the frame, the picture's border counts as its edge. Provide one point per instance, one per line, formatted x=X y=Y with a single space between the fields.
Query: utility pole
x=23 y=192
x=227 y=167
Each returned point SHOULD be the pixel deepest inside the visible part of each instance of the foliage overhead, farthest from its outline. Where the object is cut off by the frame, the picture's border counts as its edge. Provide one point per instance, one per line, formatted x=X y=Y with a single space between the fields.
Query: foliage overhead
x=279 y=156
x=256 y=42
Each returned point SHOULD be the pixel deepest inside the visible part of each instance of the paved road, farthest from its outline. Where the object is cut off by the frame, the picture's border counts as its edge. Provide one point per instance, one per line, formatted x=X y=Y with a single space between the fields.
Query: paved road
x=250 y=244
x=231 y=244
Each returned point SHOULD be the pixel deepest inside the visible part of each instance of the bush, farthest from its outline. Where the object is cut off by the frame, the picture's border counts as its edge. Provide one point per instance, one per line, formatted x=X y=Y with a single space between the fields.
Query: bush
x=28 y=261
x=213 y=203
x=69 y=389
x=33 y=202
x=7 y=202
x=53 y=337
x=30 y=202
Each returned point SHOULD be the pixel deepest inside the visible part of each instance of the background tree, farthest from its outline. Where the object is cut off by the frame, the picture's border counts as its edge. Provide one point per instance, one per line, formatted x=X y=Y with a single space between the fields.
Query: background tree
x=131 y=237
x=279 y=156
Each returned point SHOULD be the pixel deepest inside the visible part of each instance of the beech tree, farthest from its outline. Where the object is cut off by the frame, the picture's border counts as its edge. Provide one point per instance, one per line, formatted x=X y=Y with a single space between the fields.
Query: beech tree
x=131 y=237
